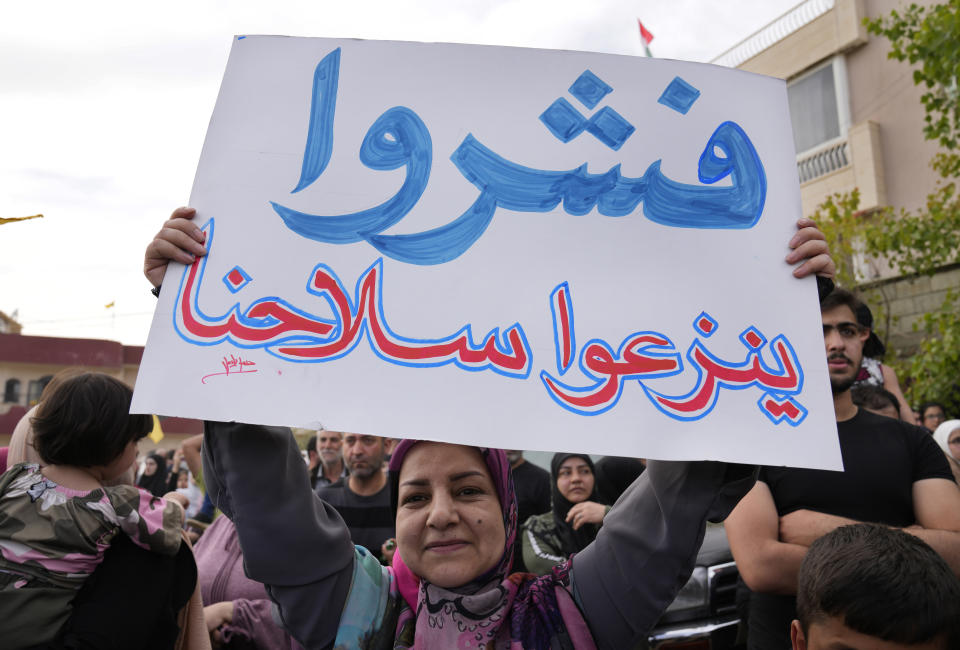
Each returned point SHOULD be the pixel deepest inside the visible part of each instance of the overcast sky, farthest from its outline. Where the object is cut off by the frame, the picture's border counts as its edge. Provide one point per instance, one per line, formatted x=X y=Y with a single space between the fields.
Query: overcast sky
x=104 y=105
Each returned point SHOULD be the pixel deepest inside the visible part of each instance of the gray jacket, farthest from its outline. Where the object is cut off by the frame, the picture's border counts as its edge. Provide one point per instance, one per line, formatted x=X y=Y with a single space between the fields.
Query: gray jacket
x=299 y=547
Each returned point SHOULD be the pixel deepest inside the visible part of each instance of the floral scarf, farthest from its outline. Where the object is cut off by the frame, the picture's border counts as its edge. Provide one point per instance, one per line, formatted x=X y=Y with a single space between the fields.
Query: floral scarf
x=498 y=609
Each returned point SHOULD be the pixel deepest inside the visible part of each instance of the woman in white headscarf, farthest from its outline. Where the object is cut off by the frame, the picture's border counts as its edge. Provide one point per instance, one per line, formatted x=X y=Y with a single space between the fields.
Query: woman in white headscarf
x=947 y=436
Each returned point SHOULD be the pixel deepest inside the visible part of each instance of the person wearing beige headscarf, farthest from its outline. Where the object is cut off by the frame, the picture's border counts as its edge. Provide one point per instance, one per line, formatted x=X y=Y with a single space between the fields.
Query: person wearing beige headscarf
x=947 y=436
x=21 y=442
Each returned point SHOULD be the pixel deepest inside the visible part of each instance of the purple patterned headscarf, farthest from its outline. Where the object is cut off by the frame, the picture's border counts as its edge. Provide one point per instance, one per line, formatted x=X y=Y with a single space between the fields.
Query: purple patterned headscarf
x=499 y=468
x=497 y=609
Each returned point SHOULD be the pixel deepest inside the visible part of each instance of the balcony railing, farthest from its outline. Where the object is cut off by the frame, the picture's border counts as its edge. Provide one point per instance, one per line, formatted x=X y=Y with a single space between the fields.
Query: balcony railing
x=828 y=157
x=777 y=30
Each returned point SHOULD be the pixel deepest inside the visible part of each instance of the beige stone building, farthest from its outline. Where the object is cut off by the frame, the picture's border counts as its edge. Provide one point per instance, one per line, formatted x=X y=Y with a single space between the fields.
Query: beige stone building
x=858 y=123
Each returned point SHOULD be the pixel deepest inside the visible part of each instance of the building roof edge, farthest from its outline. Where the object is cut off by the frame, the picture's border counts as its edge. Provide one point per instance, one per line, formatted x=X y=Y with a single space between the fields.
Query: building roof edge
x=803 y=14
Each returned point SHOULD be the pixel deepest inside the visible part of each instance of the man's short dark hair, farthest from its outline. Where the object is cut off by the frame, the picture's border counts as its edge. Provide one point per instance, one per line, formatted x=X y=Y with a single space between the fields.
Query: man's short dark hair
x=841 y=297
x=86 y=421
x=880 y=582
x=874 y=397
x=927 y=405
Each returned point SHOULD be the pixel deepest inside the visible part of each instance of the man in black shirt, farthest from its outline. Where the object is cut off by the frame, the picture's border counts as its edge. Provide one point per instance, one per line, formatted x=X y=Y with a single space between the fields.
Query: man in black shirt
x=363 y=497
x=532 y=485
x=894 y=474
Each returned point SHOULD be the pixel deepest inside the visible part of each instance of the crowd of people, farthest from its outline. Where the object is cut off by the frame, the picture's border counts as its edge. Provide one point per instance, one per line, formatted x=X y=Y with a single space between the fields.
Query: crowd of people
x=895 y=474
x=241 y=539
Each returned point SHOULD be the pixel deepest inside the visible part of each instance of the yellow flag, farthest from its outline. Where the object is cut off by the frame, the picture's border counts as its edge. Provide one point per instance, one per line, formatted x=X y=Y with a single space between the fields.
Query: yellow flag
x=110 y=304
x=157 y=434
x=4 y=220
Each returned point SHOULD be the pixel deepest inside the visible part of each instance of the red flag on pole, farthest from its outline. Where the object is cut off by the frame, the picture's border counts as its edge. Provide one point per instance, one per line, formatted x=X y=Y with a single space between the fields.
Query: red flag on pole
x=646 y=37
x=644 y=34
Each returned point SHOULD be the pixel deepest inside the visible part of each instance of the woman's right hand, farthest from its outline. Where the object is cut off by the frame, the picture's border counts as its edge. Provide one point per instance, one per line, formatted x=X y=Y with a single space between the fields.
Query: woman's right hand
x=586 y=512
x=179 y=240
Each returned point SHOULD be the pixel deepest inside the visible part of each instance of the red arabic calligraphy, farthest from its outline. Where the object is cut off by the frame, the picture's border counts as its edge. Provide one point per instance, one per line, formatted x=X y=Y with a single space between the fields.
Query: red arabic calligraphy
x=296 y=335
x=292 y=334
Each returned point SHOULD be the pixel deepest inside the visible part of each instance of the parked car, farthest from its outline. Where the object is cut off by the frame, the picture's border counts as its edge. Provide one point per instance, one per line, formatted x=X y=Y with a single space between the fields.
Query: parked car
x=704 y=614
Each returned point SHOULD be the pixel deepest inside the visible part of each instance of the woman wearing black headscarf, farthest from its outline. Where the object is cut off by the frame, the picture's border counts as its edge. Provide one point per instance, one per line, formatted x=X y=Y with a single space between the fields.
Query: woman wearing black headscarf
x=154 y=478
x=573 y=520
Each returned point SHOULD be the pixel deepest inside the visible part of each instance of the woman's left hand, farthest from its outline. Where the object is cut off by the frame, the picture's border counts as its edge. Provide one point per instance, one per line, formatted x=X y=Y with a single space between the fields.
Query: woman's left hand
x=216 y=616
x=586 y=512
x=809 y=246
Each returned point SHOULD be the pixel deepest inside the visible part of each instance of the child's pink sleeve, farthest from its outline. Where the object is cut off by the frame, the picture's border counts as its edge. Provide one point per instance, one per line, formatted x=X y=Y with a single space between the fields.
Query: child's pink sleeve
x=151 y=522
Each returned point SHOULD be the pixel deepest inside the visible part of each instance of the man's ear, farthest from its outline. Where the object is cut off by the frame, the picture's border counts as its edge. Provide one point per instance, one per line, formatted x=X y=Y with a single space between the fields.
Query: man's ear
x=796 y=636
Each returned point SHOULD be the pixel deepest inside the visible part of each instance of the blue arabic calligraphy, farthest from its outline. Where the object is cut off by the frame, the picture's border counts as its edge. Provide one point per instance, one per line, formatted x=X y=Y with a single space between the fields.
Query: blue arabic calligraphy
x=319 y=147
x=399 y=138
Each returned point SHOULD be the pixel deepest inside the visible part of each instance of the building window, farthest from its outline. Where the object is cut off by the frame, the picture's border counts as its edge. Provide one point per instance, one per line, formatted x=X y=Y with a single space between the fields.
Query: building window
x=35 y=389
x=819 y=105
x=11 y=391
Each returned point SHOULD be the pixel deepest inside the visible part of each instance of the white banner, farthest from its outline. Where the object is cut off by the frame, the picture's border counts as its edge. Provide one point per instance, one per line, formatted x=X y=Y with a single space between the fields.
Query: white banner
x=517 y=248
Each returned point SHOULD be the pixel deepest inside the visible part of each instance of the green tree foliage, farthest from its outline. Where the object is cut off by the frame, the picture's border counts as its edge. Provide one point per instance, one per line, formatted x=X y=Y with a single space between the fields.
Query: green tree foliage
x=913 y=248
x=929 y=37
x=843 y=226
x=920 y=242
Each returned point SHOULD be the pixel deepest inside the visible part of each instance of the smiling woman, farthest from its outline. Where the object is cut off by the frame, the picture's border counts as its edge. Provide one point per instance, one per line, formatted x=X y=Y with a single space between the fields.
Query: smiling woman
x=449 y=523
x=451 y=582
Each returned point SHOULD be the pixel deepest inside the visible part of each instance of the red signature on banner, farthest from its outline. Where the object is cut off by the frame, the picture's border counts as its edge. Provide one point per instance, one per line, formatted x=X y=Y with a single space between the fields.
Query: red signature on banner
x=232 y=366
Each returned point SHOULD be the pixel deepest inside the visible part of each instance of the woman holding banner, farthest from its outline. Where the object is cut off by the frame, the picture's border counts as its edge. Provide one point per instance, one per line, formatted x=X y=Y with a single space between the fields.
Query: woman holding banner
x=451 y=585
